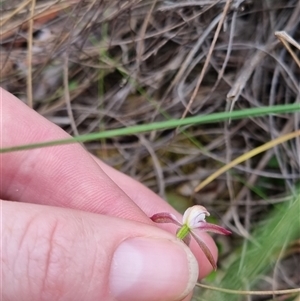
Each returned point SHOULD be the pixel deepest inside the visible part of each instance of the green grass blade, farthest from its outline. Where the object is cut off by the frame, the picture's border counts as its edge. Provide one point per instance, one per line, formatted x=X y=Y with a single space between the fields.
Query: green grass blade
x=169 y=124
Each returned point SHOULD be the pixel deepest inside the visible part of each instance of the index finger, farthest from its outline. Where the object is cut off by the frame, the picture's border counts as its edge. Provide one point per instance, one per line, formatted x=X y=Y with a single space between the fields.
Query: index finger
x=64 y=175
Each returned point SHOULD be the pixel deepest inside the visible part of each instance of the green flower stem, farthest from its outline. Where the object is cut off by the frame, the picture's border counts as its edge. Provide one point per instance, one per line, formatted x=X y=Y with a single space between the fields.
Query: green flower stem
x=183 y=231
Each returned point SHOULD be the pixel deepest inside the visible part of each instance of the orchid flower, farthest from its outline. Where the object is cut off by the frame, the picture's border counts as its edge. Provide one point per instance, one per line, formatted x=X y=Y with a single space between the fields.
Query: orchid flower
x=193 y=218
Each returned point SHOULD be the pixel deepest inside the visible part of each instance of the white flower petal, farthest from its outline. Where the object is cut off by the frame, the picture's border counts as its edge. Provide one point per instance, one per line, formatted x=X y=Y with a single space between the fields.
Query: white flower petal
x=194 y=216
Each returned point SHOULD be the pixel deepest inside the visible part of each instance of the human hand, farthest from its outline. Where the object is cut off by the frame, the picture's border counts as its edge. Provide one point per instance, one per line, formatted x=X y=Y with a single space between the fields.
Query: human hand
x=76 y=229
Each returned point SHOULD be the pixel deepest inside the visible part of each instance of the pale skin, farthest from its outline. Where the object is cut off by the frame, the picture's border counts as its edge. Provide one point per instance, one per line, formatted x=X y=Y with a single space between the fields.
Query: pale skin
x=65 y=248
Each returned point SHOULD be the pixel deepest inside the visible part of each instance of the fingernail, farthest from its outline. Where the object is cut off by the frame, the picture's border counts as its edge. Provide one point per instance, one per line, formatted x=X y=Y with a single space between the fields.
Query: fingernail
x=150 y=269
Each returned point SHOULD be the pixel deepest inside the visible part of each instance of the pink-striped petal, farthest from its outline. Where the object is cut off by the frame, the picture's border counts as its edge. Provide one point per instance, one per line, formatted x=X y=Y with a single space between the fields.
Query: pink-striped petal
x=205 y=250
x=207 y=227
x=165 y=217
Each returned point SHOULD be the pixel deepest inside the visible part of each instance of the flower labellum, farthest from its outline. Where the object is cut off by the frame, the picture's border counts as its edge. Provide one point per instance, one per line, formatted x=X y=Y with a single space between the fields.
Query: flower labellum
x=193 y=218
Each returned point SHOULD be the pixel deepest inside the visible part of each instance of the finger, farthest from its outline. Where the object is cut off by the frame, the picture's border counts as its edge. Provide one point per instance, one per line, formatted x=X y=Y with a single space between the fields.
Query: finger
x=62 y=254
x=64 y=175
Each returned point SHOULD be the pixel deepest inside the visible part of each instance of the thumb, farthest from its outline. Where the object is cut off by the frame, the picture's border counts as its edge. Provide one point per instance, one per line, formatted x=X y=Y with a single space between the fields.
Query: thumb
x=51 y=253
